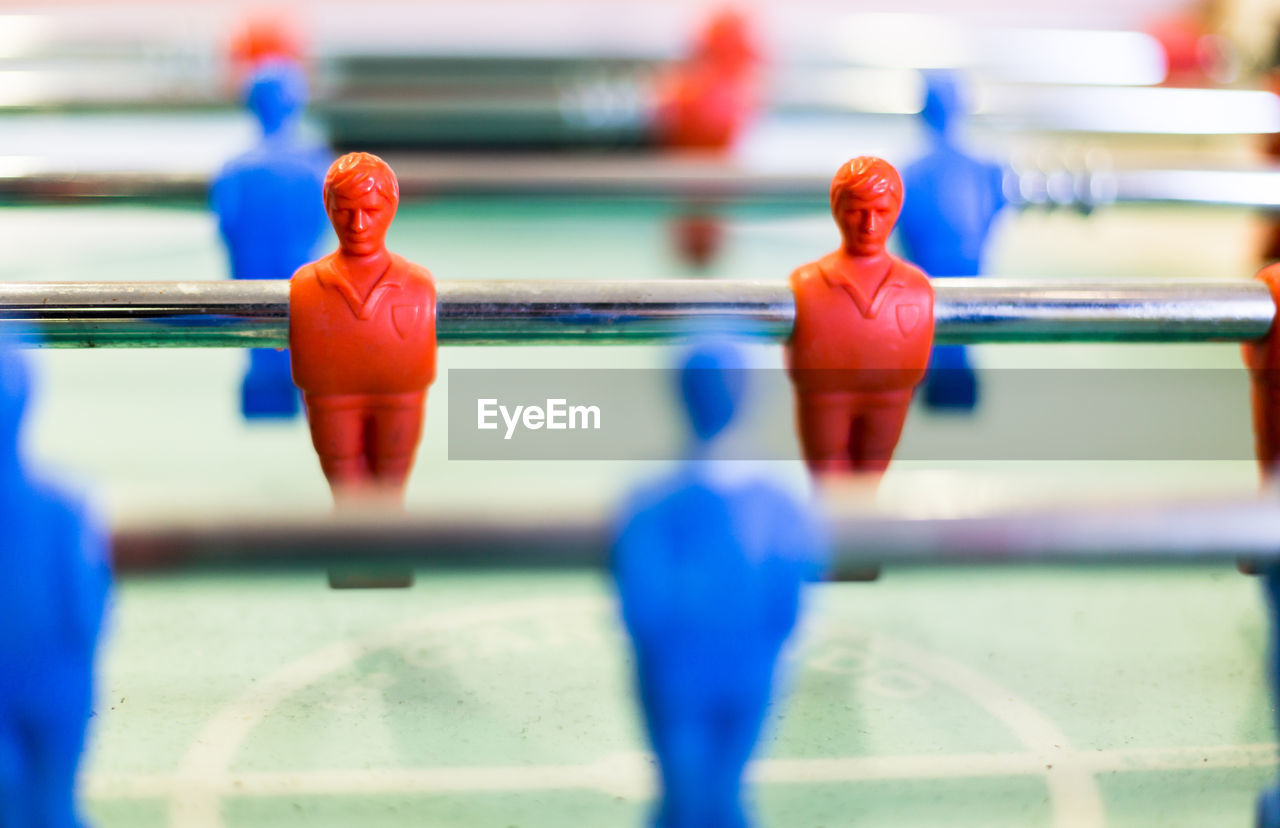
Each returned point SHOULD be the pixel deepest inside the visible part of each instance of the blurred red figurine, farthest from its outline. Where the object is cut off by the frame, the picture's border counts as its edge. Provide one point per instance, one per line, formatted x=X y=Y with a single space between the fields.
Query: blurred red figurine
x=703 y=104
x=706 y=100
x=863 y=330
x=1263 y=361
x=1270 y=251
x=1195 y=54
x=362 y=334
x=263 y=36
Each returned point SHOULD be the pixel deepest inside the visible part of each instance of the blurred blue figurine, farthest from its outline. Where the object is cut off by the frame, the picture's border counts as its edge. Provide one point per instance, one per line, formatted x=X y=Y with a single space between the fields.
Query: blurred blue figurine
x=709 y=573
x=1268 y=814
x=52 y=599
x=951 y=201
x=271 y=215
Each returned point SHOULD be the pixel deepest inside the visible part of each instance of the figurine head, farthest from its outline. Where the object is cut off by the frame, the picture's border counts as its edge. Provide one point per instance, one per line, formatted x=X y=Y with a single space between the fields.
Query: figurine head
x=866 y=197
x=711 y=386
x=945 y=101
x=727 y=42
x=360 y=195
x=276 y=94
x=15 y=385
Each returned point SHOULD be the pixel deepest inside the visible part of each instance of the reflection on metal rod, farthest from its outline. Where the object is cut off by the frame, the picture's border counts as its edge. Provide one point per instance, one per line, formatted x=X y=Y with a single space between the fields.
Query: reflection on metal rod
x=256 y=314
x=1168 y=533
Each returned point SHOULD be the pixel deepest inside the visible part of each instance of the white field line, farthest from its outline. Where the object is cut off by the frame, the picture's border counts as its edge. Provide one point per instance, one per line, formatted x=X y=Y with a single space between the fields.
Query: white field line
x=194 y=805
x=203 y=773
x=631 y=773
x=1074 y=795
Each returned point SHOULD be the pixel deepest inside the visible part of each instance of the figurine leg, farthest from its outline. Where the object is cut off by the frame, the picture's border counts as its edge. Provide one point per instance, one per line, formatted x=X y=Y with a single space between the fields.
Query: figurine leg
x=15 y=802
x=740 y=717
x=951 y=384
x=685 y=755
x=396 y=428
x=876 y=428
x=674 y=715
x=698 y=237
x=1268 y=810
x=1265 y=396
x=823 y=420
x=1267 y=814
x=338 y=433
x=267 y=391
x=57 y=721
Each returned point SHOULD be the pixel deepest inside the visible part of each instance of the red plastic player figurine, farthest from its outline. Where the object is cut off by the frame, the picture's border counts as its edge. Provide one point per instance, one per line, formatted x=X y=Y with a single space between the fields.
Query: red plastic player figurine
x=863 y=329
x=362 y=334
x=1263 y=361
x=704 y=102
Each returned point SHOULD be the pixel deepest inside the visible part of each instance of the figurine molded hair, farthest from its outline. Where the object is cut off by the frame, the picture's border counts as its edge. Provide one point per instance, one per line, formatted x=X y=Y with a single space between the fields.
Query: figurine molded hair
x=864 y=178
x=358 y=173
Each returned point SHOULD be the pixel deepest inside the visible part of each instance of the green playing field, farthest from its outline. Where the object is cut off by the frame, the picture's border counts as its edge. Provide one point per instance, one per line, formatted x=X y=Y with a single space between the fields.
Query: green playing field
x=1126 y=697
x=971 y=697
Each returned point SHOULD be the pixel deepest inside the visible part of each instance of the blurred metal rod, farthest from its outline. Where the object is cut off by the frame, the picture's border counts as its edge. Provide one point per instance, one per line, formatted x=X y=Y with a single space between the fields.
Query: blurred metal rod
x=186 y=41
x=1173 y=533
x=527 y=312
x=648 y=176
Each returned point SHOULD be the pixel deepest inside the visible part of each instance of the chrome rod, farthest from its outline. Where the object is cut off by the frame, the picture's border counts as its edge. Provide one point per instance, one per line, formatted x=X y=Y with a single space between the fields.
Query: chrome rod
x=1058 y=184
x=565 y=536
x=1002 y=310
x=256 y=314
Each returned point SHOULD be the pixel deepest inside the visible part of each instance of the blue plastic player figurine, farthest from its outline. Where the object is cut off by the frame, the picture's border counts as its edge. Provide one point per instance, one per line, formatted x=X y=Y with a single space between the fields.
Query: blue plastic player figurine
x=1268 y=814
x=52 y=598
x=271 y=215
x=951 y=201
x=709 y=572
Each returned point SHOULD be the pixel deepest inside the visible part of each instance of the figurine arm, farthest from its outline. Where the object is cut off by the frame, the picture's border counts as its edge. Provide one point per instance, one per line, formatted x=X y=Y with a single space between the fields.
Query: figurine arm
x=637 y=560
x=222 y=202
x=801 y=538
x=801 y=275
x=916 y=278
x=83 y=556
x=996 y=173
x=305 y=273
x=422 y=273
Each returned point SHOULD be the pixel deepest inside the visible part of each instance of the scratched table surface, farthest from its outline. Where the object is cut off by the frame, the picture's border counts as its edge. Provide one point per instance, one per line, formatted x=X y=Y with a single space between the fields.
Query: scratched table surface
x=1025 y=696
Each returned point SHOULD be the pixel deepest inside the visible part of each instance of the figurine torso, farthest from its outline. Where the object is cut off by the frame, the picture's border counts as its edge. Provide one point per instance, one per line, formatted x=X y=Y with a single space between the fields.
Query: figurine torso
x=703 y=107
x=380 y=343
x=856 y=332
x=689 y=538
x=951 y=201
x=270 y=209
x=56 y=582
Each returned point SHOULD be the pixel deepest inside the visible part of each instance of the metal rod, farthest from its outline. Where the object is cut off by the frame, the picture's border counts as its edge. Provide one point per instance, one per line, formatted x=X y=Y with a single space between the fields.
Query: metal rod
x=256 y=314
x=648 y=176
x=177 y=42
x=999 y=310
x=1181 y=533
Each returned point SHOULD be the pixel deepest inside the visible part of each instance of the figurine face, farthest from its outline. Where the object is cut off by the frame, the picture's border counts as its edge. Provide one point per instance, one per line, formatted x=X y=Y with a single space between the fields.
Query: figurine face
x=361 y=220
x=866 y=225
